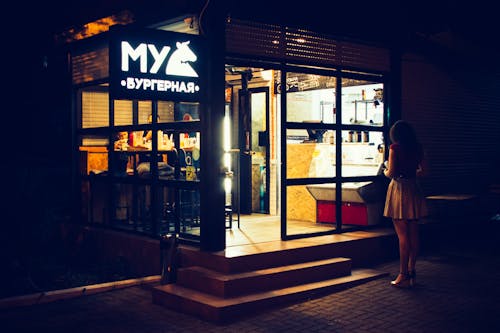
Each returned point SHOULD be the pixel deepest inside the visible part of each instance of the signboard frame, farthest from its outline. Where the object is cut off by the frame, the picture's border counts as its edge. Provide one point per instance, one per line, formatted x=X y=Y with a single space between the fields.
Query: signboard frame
x=151 y=64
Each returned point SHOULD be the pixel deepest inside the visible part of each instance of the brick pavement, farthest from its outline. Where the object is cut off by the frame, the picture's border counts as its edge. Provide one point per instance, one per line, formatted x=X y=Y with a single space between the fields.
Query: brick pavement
x=458 y=291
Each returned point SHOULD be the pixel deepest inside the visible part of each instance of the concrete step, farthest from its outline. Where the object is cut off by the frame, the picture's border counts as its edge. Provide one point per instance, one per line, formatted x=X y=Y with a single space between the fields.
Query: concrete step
x=231 y=285
x=222 y=310
x=364 y=248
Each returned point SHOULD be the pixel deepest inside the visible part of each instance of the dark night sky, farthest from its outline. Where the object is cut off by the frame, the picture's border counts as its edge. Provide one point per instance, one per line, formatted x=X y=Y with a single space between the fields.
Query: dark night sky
x=394 y=21
x=474 y=21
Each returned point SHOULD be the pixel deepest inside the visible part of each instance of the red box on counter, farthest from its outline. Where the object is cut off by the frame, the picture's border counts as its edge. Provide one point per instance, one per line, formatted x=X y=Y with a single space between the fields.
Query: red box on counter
x=352 y=212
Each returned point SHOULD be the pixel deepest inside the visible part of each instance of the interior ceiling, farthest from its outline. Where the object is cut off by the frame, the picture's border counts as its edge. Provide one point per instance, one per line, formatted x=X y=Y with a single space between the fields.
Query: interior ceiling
x=234 y=73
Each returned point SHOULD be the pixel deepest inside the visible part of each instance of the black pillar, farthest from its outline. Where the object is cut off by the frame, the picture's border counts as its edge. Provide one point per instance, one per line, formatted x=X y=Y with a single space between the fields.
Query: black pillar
x=394 y=91
x=213 y=230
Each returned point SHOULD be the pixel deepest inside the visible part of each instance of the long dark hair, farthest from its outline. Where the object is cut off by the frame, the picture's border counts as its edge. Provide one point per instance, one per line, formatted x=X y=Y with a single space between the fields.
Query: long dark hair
x=403 y=133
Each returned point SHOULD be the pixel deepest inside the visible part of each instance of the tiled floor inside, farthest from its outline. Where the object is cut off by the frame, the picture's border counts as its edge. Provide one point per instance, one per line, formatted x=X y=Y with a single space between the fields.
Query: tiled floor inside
x=260 y=233
x=261 y=228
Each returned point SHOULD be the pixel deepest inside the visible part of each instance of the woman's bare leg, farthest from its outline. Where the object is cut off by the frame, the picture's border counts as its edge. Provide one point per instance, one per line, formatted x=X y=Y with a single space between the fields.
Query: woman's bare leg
x=402 y=230
x=414 y=247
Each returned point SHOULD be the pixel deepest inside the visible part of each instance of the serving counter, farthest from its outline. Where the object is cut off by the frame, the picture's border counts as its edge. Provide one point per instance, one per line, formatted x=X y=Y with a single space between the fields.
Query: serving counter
x=362 y=202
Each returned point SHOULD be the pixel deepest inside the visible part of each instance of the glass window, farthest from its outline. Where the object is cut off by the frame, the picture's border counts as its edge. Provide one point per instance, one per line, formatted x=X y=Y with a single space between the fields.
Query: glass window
x=99 y=200
x=309 y=159
x=189 y=156
x=145 y=108
x=166 y=111
x=189 y=211
x=362 y=102
x=310 y=208
x=123 y=112
x=94 y=108
x=362 y=153
x=184 y=111
x=310 y=98
x=123 y=205
x=93 y=154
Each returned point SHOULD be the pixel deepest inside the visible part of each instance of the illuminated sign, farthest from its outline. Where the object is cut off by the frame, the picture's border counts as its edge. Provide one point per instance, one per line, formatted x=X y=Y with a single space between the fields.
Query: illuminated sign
x=155 y=64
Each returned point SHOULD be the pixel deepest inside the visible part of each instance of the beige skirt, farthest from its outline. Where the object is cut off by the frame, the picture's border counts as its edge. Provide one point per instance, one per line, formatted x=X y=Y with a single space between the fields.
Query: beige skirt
x=405 y=200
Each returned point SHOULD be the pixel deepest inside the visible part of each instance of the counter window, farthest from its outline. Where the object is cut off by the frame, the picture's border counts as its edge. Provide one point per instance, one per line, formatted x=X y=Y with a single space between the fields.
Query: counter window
x=362 y=153
x=310 y=98
x=362 y=102
x=310 y=208
x=308 y=158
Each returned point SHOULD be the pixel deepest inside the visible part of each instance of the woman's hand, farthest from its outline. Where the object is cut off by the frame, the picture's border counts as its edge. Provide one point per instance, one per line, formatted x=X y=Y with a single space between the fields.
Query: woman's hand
x=390 y=170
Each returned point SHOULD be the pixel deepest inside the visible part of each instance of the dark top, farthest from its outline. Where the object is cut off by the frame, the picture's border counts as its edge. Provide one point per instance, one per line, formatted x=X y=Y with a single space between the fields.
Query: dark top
x=407 y=159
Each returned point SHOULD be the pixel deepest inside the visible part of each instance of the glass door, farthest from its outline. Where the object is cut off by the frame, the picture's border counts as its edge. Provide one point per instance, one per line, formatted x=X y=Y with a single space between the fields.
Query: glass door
x=254 y=143
x=259 y=111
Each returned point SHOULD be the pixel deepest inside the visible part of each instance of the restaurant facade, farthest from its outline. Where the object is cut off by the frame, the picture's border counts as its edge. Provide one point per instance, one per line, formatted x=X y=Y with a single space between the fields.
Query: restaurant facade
x=189 y=127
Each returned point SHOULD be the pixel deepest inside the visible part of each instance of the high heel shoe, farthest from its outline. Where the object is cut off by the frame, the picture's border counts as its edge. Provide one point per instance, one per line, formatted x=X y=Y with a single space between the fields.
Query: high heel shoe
x=402 y=281
x=413 y=278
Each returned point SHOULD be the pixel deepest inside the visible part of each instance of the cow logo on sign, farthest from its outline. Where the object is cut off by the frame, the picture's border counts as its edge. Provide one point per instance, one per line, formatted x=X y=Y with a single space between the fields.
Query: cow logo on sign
x=178 y=64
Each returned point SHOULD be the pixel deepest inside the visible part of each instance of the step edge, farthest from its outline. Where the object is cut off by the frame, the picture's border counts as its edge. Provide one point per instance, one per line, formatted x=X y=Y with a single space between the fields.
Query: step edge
x=210 y=273
x=358 y=275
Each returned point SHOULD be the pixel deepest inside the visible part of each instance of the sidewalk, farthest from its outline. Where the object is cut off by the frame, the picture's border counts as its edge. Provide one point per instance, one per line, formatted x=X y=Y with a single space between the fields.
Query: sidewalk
x=458 y=291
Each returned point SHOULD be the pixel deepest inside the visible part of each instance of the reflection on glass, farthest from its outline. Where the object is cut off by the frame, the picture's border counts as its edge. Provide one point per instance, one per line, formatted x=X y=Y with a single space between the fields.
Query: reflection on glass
x=362 y=102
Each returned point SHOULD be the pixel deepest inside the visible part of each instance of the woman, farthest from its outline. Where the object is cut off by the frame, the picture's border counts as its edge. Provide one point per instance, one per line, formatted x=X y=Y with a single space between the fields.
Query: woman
x=405 y=203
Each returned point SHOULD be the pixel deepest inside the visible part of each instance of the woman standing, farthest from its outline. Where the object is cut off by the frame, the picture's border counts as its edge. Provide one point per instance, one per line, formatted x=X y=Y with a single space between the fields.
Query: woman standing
x=405 y=203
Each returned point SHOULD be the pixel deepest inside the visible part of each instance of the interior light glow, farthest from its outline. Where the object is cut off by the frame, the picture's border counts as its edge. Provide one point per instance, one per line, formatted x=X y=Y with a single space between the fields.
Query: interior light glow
x=227 y=156
x=94 y=28
x=267 y=75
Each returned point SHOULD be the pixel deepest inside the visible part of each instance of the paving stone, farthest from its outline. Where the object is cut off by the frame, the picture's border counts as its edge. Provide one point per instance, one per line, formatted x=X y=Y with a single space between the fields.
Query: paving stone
x=456 y=292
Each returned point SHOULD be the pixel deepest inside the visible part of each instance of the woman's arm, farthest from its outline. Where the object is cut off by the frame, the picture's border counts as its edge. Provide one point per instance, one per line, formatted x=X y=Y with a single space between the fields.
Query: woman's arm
x=391 y=170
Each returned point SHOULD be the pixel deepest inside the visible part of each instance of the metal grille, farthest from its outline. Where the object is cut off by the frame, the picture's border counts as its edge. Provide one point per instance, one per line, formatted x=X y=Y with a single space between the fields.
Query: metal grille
x=305 y=45
x=90 y=66
x=251 y=38
x=300 y=45
x=364 y=56
x=456 y=117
